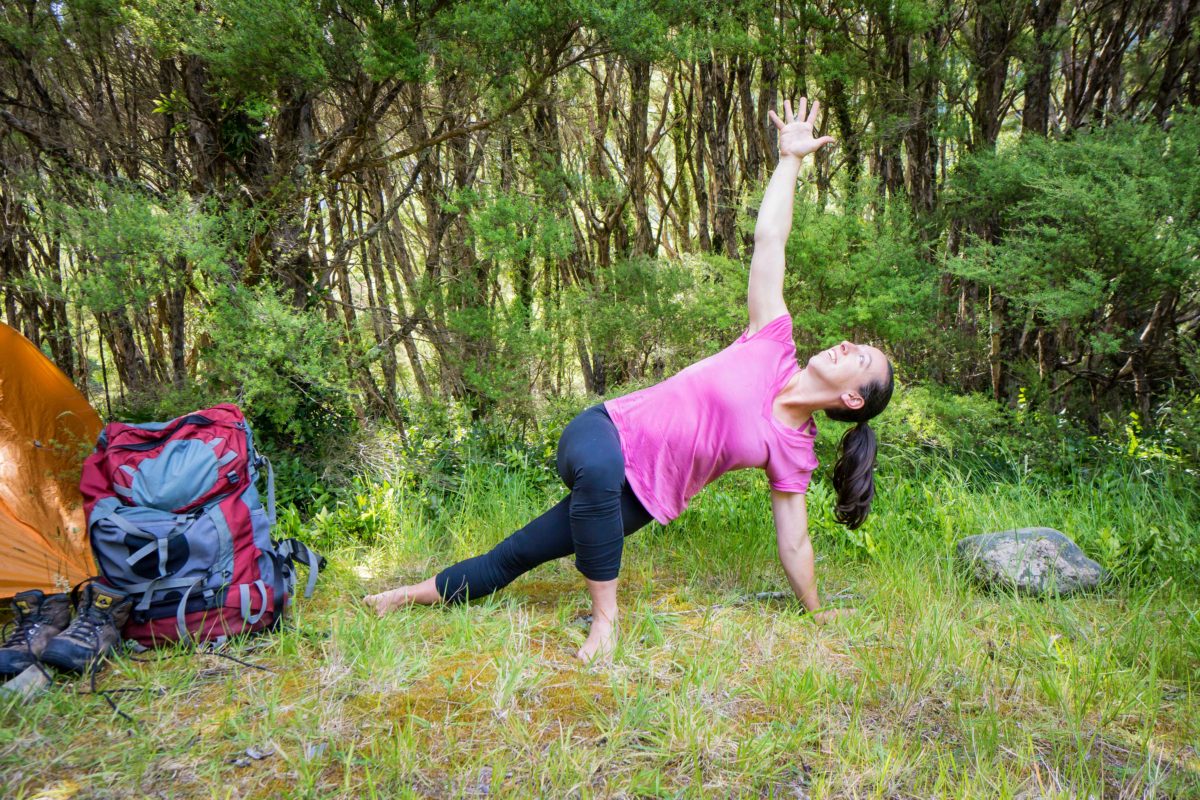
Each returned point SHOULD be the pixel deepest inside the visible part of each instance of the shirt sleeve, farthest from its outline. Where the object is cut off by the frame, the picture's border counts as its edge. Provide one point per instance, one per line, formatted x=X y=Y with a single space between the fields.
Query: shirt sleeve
x=796 y=481
x=790 y=470
x=778 y=330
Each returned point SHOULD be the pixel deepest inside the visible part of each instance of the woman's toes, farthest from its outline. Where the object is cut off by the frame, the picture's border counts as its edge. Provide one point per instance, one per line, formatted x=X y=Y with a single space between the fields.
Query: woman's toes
x=598 y=647
x=593 y=654
x=385 y=602
x=378 y=602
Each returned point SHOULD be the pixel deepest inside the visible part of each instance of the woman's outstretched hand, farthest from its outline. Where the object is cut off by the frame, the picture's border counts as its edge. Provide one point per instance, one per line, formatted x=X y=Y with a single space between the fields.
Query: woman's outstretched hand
x=796 y=130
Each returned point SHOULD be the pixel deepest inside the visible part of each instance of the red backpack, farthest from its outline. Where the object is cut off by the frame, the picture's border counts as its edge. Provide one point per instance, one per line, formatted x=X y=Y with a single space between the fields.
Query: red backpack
x=175 y=519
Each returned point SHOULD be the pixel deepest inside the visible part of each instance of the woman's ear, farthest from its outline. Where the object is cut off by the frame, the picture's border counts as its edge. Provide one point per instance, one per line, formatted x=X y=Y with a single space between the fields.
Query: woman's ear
x=852 y=400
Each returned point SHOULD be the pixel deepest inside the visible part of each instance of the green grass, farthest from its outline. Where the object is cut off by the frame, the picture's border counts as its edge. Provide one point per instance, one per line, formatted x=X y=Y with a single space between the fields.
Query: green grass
x=933 y=689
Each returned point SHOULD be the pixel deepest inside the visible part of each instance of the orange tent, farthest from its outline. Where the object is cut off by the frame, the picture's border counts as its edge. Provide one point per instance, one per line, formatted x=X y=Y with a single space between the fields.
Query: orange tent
x=46 y=430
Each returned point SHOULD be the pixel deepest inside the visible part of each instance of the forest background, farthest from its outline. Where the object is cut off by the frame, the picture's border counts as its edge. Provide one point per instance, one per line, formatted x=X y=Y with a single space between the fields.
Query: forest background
x=412 y=240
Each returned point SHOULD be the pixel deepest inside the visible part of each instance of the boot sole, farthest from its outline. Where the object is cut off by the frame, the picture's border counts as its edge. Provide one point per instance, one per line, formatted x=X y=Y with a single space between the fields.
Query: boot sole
x=64 y=665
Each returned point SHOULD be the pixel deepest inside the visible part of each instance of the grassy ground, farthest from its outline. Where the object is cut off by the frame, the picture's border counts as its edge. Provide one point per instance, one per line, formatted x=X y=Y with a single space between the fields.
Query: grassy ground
x=933 y=689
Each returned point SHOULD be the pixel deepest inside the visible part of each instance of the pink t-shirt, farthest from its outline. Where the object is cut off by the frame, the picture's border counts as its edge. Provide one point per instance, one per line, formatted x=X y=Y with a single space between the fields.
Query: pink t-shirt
x=683 y=433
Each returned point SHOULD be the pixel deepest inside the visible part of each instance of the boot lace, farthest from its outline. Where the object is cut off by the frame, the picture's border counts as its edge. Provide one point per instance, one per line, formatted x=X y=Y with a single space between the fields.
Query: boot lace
x=26 y=626
x=89 y=623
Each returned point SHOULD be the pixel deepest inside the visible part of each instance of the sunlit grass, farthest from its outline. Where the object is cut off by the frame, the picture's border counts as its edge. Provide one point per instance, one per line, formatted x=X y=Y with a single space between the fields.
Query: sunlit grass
x=933 y=689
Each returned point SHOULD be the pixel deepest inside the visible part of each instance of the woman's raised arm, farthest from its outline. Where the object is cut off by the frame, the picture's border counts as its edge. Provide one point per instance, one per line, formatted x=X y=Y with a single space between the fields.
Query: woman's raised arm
x=774 y=224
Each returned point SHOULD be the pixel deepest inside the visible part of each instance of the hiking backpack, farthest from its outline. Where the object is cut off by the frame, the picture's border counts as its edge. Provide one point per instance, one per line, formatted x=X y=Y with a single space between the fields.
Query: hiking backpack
x=175 y=519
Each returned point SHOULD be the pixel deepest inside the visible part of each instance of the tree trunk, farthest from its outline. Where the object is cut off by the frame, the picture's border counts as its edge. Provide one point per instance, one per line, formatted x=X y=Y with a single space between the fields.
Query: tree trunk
x=290 y=247
x=635 y=157
x=696 y=138
x=997 y=24
x=1092 y=58
x=716 y=107
x=1035 y=118
x=848 y=137
x=754 y=121
x=920 y=143
x=1177 y=24
x=128 y=358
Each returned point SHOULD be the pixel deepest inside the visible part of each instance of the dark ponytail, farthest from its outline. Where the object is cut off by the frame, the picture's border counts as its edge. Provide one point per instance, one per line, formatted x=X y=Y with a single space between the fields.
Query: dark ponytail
x=854 y=476
x=854 y=473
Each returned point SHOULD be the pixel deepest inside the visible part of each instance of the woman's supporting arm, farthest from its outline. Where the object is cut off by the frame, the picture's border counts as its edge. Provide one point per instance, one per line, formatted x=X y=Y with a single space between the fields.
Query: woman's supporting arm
x=796 y=552
x=765 y=295
x=795 y=549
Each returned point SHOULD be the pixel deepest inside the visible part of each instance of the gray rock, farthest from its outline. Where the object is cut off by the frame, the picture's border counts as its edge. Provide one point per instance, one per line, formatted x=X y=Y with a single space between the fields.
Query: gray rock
x=1034 y=561
x=29 y=684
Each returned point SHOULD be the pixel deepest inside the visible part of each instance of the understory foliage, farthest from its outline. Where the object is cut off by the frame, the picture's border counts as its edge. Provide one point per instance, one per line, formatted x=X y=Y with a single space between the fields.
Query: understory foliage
x=949 y=466
x=1084 y=236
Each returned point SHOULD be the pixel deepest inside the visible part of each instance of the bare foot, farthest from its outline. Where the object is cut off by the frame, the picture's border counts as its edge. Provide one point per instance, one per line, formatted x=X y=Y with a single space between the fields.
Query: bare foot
x=388 y=601
x=424 y=593
x=600 y=644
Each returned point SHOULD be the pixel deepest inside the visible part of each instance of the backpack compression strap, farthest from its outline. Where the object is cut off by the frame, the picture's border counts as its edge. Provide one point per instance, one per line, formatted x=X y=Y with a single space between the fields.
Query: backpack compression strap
x=293 y=550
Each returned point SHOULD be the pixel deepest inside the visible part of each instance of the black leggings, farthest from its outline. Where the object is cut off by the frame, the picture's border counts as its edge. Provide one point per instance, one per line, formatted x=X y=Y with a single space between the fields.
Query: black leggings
x=592 y=521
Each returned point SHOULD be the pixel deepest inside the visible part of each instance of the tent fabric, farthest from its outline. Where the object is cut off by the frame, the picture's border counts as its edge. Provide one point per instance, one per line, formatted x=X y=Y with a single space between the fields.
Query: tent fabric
x=46 y=430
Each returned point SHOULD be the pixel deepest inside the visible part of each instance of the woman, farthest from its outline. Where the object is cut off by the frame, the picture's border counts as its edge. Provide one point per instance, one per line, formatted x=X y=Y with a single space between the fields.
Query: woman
x=644 y=455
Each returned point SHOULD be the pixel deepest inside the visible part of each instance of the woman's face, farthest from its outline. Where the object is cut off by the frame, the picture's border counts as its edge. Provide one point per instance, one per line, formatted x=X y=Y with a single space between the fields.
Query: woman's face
x=847 y=367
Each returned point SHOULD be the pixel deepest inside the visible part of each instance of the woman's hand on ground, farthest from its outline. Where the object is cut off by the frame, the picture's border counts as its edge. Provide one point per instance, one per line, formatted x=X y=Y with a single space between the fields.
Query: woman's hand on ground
x=796 y=131
x=828 y=615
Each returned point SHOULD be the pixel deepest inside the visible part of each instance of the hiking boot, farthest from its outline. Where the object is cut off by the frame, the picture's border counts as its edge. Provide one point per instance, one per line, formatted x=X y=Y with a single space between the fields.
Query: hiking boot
x=39 y=618
x=101 y=614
